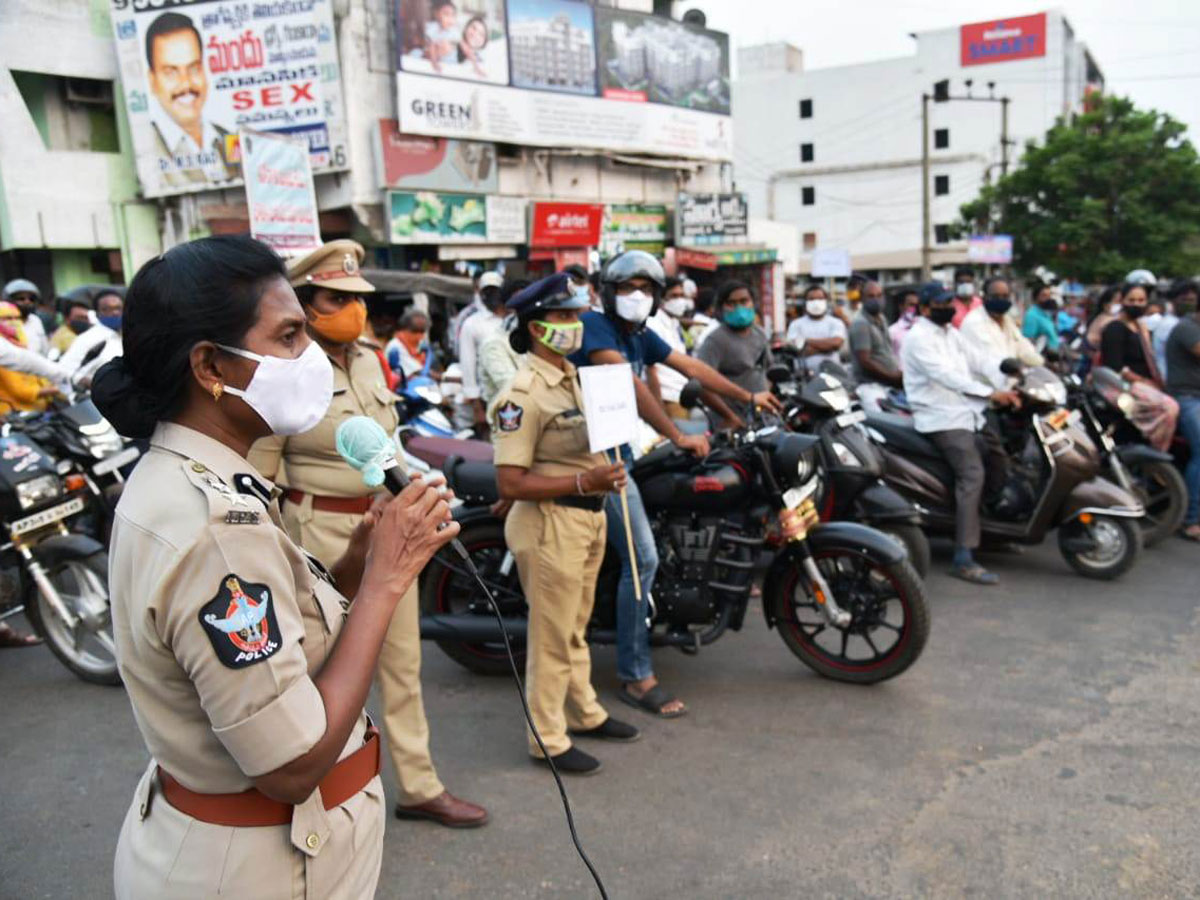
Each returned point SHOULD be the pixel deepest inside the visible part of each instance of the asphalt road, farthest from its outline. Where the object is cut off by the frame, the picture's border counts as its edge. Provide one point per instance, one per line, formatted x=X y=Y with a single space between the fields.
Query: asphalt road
x=1045 y=745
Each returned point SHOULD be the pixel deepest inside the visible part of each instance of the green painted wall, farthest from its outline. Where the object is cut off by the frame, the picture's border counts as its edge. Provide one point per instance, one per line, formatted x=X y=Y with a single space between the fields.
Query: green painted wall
x=71 y=268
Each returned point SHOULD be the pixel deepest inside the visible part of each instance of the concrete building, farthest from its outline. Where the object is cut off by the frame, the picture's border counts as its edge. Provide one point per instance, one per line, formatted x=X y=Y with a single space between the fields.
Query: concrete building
x=837 y=151
x=677 y=61
x=552 y=54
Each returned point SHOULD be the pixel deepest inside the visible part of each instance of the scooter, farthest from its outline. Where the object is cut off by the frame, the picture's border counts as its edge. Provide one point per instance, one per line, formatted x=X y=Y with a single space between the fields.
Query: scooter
x=1150 y=475
x=1054 y=482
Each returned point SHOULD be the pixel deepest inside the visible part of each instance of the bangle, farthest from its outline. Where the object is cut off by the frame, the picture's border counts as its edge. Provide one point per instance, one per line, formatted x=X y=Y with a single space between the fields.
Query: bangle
x=578 y=483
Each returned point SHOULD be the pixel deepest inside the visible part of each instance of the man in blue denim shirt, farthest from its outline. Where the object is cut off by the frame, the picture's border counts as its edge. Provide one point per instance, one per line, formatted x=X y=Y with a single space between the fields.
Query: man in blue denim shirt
x=631 y=287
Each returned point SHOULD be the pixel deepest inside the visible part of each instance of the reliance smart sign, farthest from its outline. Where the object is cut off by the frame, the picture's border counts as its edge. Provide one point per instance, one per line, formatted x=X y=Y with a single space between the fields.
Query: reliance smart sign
x=1004 y=40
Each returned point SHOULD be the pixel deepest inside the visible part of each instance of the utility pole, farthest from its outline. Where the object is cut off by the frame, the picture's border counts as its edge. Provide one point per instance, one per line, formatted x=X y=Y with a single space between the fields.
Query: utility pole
x=926 y=263
x=1003 y=136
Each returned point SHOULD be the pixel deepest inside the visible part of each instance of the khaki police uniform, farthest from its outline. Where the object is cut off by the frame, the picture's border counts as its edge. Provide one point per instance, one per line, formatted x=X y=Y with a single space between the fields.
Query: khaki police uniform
x=219 y=699
x=313 y=474
x=538 y=424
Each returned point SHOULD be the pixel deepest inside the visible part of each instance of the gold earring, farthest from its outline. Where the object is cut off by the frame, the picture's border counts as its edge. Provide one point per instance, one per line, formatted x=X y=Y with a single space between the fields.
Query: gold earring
x=217 y=390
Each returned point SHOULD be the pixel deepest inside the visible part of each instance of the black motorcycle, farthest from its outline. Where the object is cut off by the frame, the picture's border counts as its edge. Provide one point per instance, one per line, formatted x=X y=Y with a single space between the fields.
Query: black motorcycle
x=843 y=596
x=821 y=404
x=1104 y=403
x=57 y=577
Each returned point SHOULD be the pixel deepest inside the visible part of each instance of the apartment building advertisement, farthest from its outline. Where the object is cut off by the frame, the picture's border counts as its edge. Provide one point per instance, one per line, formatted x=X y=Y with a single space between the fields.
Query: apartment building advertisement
x=711 y=219
x=658 y=87
x=195 y=73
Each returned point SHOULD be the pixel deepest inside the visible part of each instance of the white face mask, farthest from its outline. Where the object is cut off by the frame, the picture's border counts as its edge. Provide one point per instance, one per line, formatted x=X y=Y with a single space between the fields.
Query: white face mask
x=1152 y=320
x=290 y=395
x=635 y=307
x=816 y=308
x=966 y=290
x=677 y=306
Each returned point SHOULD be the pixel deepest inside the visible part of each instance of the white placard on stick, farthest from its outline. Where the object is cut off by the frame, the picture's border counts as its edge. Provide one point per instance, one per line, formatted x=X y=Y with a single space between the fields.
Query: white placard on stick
x=830 y=262
x=610 y=405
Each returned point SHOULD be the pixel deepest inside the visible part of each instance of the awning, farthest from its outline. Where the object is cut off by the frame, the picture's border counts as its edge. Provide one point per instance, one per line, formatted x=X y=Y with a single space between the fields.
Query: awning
x=400 y=281
x=709 y=258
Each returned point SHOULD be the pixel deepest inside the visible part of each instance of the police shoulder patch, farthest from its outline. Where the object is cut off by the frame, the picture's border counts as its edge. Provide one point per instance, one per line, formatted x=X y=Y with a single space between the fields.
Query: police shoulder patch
x=240 y=623
x=509 y=416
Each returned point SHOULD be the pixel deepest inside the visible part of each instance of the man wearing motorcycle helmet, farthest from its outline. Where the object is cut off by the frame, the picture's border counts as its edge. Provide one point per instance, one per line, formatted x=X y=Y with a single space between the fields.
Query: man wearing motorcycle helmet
x=631 y=287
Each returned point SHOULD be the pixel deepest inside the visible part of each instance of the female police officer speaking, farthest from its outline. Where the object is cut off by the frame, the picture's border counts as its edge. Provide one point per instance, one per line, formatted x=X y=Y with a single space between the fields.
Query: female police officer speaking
x=246 y=668
x=556 y=529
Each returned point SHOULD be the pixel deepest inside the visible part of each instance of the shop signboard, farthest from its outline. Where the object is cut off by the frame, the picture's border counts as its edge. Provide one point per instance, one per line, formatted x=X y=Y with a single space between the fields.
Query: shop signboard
x=566 y=225
x=195 y=73
x=1003 y=40
x=279 y=192
x=706 y=219
x=634 y=227
x=831 y=262
x=415 y=161
x=990 y=248
x=686 y=258
x=562 y=73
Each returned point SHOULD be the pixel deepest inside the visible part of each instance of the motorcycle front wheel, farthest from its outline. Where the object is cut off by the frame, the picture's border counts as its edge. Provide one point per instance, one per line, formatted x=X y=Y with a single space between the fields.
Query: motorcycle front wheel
x=889 y=616
x=1104 y=548
x=82 y=583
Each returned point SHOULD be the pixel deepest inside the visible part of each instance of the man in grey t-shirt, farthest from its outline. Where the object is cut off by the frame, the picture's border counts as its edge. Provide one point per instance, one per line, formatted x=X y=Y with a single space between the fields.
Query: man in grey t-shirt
x=871 y=353
x=738 y=348
x=1183 y=381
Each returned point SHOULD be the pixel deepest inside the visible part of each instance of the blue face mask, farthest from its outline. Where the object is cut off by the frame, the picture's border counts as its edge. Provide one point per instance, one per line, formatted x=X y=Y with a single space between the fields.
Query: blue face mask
x=739 y=317
x=113 y=322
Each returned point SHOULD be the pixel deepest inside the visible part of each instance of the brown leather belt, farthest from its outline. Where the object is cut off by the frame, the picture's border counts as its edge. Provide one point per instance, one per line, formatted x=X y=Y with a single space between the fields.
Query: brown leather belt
x=348 y=505
x=254 y=809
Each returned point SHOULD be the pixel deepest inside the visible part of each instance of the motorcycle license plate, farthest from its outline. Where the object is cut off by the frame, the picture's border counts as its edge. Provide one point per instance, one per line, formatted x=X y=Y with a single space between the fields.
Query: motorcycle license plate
x=851 y=418
x=46 y=516
x=114 y=462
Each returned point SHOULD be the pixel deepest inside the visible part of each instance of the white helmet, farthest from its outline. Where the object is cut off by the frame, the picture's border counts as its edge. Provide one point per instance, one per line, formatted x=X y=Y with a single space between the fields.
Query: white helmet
x=1143 y=277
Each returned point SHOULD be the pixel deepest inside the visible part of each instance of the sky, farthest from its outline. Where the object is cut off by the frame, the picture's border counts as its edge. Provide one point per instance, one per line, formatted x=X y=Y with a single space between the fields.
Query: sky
x=1147 y=49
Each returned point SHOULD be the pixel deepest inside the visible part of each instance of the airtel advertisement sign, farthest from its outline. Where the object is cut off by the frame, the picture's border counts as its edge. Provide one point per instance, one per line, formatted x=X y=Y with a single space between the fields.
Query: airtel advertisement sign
x=566 y=224
x=1004 y=40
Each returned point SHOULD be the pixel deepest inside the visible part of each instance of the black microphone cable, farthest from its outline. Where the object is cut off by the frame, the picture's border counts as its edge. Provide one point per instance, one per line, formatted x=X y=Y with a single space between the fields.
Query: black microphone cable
x=512 y=661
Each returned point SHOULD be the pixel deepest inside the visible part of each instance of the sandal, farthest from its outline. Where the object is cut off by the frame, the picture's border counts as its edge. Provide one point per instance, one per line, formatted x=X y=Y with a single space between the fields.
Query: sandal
x=975 y=574
x=652 y=702
x=9 y=637
x=1190 y=532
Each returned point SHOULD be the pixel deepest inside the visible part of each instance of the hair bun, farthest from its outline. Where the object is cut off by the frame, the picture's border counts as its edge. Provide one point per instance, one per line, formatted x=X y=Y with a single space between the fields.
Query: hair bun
x=131 y=409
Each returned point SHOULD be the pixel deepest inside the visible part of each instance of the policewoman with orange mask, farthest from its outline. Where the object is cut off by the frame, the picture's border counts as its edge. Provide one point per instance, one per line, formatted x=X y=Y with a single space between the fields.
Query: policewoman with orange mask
x=19 y=391
x=324 y=500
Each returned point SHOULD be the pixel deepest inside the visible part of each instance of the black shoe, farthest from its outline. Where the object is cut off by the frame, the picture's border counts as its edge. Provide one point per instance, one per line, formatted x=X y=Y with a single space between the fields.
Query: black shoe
x=611 y=730
x=572 y=762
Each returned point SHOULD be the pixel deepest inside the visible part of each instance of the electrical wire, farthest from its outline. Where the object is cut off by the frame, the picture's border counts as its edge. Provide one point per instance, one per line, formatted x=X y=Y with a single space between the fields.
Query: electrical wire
x=512 y=661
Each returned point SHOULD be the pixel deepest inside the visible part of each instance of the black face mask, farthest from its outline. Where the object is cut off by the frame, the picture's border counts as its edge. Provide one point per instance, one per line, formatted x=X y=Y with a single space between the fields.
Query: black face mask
x=1134 y=312
x=872 y=307
x=997 y=305
x=79 y=326
x=941 y=315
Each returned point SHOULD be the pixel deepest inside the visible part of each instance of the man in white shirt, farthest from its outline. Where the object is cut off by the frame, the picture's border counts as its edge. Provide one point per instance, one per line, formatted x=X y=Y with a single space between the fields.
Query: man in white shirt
x=665 y=323
x=191 y=148
x=949 y=383
x=459 y=319
x=819 y=334
x=98 y=344
x=475 y=331
x=990 y=327
x=24 y=295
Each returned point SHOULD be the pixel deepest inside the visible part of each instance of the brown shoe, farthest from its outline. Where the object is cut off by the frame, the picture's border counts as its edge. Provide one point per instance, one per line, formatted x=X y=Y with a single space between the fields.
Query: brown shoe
x=446 y=809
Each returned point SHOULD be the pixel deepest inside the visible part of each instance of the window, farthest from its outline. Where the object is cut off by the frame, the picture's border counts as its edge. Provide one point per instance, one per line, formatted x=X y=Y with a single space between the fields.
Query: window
x=806 y=109
x=808 y=196
x=806 y=153
x=70 y=113
x=941 y=185
x=941 y=234
x=941 y=138
x=810 y=241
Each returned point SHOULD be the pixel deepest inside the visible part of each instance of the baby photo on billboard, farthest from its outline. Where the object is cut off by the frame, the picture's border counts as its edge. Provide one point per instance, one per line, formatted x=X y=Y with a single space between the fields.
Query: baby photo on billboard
x=453 y=38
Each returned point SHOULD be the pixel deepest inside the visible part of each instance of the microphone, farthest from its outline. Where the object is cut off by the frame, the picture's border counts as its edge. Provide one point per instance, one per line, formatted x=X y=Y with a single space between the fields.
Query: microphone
x=367 y=448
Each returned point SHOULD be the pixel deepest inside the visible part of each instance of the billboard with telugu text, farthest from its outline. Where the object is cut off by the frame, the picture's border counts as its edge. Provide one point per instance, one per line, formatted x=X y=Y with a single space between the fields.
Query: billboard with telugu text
x=195 y=73
x=574 y=75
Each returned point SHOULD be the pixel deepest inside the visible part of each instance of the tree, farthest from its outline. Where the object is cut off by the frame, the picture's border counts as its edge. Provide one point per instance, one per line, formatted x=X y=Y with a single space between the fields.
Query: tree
x=1109 y=190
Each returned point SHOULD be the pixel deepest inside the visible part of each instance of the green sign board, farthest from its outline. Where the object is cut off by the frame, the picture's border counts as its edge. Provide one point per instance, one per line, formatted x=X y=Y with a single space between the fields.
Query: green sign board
x=426 y=217
x=629 y=226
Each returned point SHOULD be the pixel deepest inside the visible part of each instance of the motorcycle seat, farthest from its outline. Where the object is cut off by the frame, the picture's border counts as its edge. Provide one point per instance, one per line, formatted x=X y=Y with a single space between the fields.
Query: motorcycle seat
x=899 y=434
x=436 y=450
x=652 y=460
x=472 y=481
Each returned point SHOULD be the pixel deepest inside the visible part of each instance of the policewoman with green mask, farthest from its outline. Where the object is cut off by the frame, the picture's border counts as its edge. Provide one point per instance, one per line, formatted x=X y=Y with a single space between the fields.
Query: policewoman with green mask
x=556 y=528
x=738 y=348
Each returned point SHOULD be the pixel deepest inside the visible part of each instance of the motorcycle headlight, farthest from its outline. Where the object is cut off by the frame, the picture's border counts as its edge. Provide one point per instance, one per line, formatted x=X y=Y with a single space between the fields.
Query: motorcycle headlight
x=1125 y=402
x=838 y=399
x=845 y=456
x=806 y=464
x=1058 y=392
x=38 y=490
x=794 y=458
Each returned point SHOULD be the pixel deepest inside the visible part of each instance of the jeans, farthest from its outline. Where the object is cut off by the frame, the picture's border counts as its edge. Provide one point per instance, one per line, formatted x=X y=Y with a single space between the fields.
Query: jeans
x=633 y=637
x=1189 y=424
